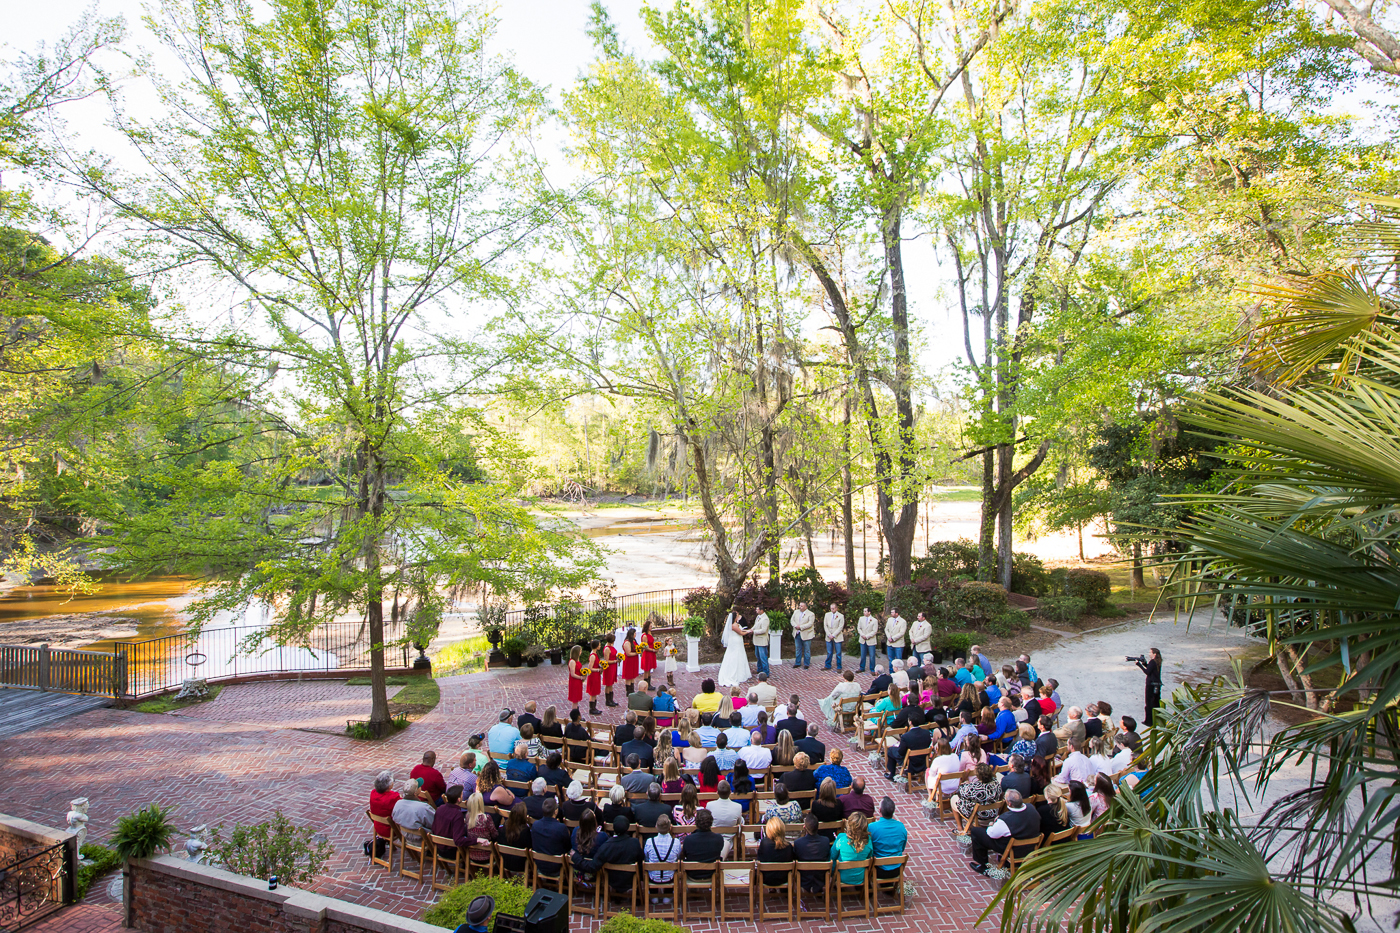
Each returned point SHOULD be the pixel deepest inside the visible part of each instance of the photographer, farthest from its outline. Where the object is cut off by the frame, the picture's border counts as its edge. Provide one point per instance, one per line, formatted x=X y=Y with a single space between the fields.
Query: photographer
x=1152 y=667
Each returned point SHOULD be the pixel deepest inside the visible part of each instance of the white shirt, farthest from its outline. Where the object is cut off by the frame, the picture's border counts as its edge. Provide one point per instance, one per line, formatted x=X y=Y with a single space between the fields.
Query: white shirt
x=749 y=714
x=999 y=829
x=781 y=713
x=1120 y=761
x=947 y=764
x=756 y=757
x=1078 y=767
x=1101 y=762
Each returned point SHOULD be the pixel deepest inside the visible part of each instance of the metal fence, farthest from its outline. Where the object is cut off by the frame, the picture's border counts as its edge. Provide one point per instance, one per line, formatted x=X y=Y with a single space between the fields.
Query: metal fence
x=35 y=883
x=562 y=624
x=160 y=664
x=66 y=670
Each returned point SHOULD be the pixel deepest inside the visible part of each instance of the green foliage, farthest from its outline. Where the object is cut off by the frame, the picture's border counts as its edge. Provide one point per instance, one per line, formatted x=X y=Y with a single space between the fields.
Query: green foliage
x=166 y=703
x=1029 y=577
x=803 y=585
x=143 y=833
x=701 y=601
x=1008 y=623
x=947 y=559
x=103 y=860
x=1062 y=608
x=451 y=909
x=693 y=626
x=910 y=601
x=274 y=847
x=1092 y=586
x=957 y=644
x=513 y=646
x=864 y=595
x=626 y=923
x=978 y=602
x=779 y=621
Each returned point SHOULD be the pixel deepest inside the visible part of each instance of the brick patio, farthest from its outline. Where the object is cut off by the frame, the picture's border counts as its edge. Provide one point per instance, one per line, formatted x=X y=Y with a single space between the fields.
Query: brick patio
x=241 y=770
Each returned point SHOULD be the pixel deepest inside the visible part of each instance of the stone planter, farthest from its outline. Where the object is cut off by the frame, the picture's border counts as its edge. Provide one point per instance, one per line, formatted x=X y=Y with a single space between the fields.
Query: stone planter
x=775 y=648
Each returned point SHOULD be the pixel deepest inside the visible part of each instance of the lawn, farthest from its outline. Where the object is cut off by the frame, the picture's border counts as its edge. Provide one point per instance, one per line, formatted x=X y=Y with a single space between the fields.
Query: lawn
x=417 y=698
x=166 y=703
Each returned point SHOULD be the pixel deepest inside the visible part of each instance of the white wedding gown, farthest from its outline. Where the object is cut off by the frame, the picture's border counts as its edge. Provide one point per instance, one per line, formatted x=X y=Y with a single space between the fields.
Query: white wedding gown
x=734 y=668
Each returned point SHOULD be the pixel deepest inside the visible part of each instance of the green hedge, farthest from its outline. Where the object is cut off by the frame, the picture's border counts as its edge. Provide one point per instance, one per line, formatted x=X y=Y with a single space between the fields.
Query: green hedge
x=1062 y=608
x=451 y=909
x=103 y=861
x=1090 y=585
x=626 y=923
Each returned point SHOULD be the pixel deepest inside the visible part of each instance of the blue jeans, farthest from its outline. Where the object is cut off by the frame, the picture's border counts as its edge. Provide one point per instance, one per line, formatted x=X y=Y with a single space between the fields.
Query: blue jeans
x=894 y=653
x=918 y=656
x=834 y=649
x=761 y=653
x=801 y=652
x=870 y=652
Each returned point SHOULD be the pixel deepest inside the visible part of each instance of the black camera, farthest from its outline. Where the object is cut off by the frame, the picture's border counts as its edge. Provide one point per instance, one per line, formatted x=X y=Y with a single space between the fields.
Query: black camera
x=1140 y=659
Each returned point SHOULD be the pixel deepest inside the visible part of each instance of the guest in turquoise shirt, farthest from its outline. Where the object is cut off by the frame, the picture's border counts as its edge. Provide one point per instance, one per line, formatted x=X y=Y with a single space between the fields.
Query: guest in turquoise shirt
x=888 y=837
x=852 y=846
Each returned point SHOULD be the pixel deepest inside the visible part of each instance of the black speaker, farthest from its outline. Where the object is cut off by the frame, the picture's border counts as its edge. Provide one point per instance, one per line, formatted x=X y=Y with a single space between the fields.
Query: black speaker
x=547 y=912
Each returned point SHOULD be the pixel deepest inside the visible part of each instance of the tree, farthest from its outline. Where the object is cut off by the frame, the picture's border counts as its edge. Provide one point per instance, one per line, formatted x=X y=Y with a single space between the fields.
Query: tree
x=346 y=166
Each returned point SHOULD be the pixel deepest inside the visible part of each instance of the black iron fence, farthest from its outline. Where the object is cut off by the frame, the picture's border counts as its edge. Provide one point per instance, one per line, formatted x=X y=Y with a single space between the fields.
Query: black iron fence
x=563 y=624
x=36 y=882
x=65 y=670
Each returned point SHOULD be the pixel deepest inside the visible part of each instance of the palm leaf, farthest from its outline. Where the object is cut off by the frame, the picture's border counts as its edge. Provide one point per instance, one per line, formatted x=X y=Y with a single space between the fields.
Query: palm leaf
x=1320 y=321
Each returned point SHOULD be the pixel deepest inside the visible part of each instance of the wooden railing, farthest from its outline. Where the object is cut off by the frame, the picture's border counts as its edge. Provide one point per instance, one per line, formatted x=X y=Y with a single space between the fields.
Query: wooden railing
x=64 y=670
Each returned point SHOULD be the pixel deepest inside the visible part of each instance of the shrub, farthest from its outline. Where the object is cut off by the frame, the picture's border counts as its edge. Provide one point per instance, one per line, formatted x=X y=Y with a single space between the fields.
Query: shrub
x=626 y=923
x=513 y=646
x=837 y=593
x=978 y=601
x=451 y=909
x=947 y=559
x=779 y=621
x=864 y=595
x=1090 y=585
x=1062 y=608
x=143 y=833
x=103 y=860
x=803 y=586
x=694 y=626
x=1008 y=623
x=911 y=600
x=699 y=601
x=277 y=847
x=852 y=643
x=956 y=645
x=1029 y=576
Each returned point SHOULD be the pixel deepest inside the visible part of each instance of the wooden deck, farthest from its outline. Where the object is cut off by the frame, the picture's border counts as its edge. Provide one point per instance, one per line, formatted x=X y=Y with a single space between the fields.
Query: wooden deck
x=22 y=710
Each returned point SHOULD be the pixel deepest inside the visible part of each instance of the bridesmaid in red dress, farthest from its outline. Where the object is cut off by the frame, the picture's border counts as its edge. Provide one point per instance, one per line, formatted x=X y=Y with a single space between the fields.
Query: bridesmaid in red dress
x=630 y=658
x=576 y=677
x=594 y=684
x=609 y=662
x=648 y=645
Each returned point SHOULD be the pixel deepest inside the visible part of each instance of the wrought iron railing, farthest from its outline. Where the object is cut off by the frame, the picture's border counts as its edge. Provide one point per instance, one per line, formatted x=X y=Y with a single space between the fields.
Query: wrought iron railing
x=562 y=624
x=35 y=883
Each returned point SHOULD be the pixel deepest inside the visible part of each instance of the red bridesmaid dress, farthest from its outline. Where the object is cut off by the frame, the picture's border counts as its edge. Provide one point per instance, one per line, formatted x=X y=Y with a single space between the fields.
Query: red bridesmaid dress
x=648 y=653
x=629 y=665
x=575 y=681
x=595 y=677
x=610 y=672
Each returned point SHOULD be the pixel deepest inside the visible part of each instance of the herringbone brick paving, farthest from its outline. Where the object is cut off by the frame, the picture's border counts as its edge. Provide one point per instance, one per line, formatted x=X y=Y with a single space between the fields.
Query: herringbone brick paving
x=240 y=771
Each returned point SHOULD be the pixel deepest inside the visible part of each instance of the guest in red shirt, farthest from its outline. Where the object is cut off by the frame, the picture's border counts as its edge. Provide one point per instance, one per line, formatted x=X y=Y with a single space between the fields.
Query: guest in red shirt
x=381 y=803
x=430 y=778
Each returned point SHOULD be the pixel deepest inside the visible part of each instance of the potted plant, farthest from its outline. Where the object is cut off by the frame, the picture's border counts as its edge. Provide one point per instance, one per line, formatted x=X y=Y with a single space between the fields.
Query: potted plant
x=514 y=649
x=778 y=623
x=534 y=655
x=556 y=656
x=694 y=627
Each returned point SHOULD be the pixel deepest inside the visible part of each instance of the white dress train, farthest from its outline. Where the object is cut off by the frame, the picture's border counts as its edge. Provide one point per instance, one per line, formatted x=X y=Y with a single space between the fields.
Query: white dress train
x=734 y=668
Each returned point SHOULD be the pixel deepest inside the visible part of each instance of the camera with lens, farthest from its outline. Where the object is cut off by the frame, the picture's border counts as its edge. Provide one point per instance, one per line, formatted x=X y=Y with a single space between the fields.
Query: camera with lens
x=1140 y=659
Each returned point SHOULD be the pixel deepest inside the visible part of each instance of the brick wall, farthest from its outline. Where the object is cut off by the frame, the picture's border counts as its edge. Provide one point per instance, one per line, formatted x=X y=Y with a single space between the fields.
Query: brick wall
x=19 y=836
x=171 y=895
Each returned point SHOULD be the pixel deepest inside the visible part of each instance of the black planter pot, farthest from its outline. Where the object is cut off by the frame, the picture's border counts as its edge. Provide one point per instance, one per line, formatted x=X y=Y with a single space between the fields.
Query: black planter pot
x=514 y=660
x=937 y=654
x=497 y=656
x=532 y=662
x=556 y=658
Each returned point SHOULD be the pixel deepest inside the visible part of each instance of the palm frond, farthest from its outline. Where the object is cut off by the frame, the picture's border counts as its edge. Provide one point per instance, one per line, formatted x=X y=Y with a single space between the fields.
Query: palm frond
x=1319 y=321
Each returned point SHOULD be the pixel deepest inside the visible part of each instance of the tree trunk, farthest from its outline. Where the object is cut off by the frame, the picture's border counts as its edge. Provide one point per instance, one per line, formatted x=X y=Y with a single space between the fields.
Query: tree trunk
x=847 y=519
x=1138 y=580
x=986 y=532
x=1005 y=486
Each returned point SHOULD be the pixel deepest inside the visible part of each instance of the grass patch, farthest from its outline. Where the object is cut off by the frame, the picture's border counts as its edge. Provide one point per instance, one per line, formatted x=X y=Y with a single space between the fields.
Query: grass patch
x=956 y=494
x=103 y=861
x=417 y=698
x=462 y=657
x=164 y=704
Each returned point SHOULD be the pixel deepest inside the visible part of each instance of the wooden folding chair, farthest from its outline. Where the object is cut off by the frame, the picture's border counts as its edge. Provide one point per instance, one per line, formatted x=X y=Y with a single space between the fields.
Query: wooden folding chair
x=1011 y=855
x=787 y=888
x=1052 y=838
x=486 y=866
x=847 y=714
x=375 y=823
x=915 y=763
x=861 y=887
x=591 y=887
x=872 y=730
x=604 y=753
x=736 y=877
x=943 y=803
x=605 y=879
x=816 y=868
x=502 y=871
x=662 y=890
x=707 y=886
x=559 y=881
x=417 y=848
x=964 y=824
x=894 y=883
x=454 y=865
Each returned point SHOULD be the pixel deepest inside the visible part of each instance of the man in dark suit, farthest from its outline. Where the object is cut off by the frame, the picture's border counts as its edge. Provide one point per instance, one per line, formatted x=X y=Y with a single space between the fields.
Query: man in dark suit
x=627 y=731
x=911 y=705
x=915 y=739
x=648 y=810
x=528 y=716
x=1047 y=743
x=792 y=724
x=881 y=683
x=1031 y=705
x=621 y=848
x=702 y=845
x=644 y=752
x=549 y=836
x=815 y=750
x=811 y=846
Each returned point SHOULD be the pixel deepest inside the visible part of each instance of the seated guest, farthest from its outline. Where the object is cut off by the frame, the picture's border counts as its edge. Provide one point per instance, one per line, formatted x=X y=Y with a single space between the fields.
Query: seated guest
x=491 y=788
x=812 y=846
x=764 y=728
x=782 y=806
x=448 y=822
x=741 y=784
x=621 y=848
x=880 y=683
x=815 y=750
x=429 y=777
x=1007 y=728
x=1102 y=797
x=758 y=758
x=1081 y=808
x=412 y=813
x=577 y=732
x=1054 y=815
x=973 y=754
x=381 y=803
x=626 y=732
x=1030 y=704
x=534 y=803
x=550 y=730
x=724 y=756
x=1098 y=757
x=464 y=775
x=709 y=775
x=726 y=812
x=616 y=807
x=1128 y=733
x=664 y=706
x=1046 y=742
x=1039 y=770
x=916 y=739
x=945 y=761
x=748 y=716
x=834 y=769
x=858 y=801
x=1093 y=726
x=554 y=774
x=962 y=673
x=737 y=698
x=638 y=779
x=793 y=722
x=639 y=701
x=548 y=836
x=1025 y=742
x=987 y=723
x=738 y=735
x=501 y=738
x=888 y=836
x=519 y=767
x=774 y=849
x=767 y=694
x=671 y=782
x=575 y=804
x=784 y=750
x=586 y=840
x=515 y=832
x=532 y=741
x=683 y=813
x=947 y=687
x=1123 y=755
x=899 y=677
x=846 y=688
x=1016 y=778
x=990 y=694
x=911 y=706
x=702 y=845
x=852 y=845
x=1016 y=822
x=708 y=732
x=474 y=745
x=481 y=830
x=661 y=846
x=801 y=777
x=1048 y=706
x=706 y=701
x=981 y=790
x=1077 y=766
x=528 y=717
x=966 y=727
x=827 y=808
x=1074 y=727
x=649 y=810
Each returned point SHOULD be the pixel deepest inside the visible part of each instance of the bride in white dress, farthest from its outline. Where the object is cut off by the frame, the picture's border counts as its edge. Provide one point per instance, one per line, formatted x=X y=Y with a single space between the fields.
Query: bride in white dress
x=734 y=668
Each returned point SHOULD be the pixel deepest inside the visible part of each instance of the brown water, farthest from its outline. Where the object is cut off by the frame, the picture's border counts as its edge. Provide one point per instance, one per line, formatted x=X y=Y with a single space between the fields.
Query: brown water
x=149 y=602
x=639 y=526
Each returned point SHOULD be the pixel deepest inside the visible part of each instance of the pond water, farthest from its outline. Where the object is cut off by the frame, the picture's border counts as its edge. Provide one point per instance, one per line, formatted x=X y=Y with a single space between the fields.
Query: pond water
x=153 y=603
